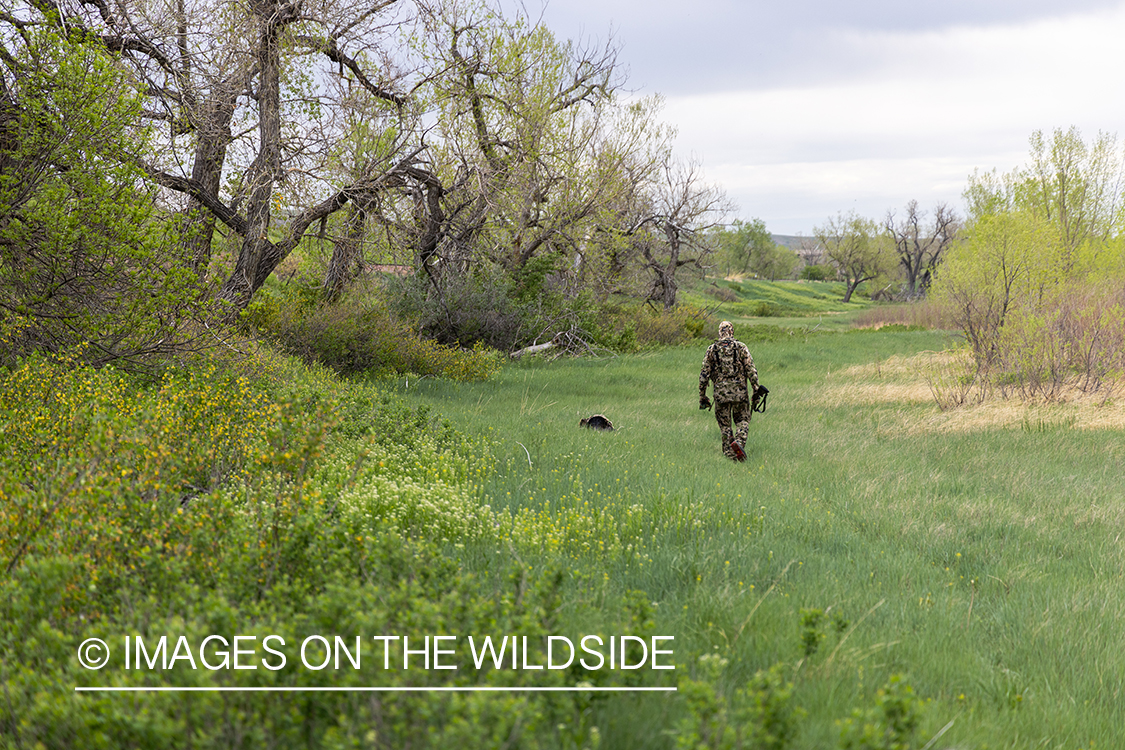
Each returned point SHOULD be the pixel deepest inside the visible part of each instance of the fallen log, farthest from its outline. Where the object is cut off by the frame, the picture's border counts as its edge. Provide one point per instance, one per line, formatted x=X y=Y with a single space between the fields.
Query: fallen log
x=534 y=349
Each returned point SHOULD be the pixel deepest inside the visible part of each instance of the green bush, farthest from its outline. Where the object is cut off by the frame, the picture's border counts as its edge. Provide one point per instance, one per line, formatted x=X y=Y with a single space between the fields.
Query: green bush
x=87 y=264
x=483 y=306
x=817 y=273
x=332 y=511
x=758 y=715
x=890 y=725
x=721 y=293
x=359 y=335
x=765 y=310
x=632 y=326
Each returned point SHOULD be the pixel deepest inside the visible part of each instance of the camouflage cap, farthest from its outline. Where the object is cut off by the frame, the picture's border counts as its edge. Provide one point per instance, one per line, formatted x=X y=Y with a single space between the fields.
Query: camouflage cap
x=726 y=330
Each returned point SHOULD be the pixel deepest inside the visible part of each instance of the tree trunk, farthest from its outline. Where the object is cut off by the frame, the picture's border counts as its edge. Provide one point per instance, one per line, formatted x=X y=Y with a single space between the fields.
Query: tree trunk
x=244 y=281
x=669 y=271
x=346 y=253
x=212 y=138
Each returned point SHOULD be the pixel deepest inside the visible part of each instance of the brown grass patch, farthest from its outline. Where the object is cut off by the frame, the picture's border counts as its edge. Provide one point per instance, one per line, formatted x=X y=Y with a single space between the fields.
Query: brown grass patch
x=911 y=381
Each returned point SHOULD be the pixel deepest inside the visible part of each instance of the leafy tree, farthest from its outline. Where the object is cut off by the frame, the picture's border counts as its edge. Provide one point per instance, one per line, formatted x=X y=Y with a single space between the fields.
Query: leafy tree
x=984 y=277
x=253 y=96
x=532 y=172
x=84 y=258
x=857 y=248
x=775 y=261
x=1075 y=187
x=743 y=243
x=533 y=150
x=1035 y=284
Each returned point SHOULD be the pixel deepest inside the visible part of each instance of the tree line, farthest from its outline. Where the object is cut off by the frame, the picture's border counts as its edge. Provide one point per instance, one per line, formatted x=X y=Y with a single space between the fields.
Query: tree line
x=898 y=255
x=160 y=160
x=1033 y=276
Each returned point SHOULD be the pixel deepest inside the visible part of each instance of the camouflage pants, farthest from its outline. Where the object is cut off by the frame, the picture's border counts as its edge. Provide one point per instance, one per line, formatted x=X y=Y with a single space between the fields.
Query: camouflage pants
x=737 y=412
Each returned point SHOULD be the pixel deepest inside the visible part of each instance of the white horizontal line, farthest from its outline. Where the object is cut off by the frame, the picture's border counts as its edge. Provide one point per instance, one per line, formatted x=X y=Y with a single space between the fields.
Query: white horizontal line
x=370 y=689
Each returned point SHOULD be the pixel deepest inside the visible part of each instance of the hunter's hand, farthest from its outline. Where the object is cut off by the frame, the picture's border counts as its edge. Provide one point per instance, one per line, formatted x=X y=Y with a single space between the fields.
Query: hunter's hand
x=704 y=402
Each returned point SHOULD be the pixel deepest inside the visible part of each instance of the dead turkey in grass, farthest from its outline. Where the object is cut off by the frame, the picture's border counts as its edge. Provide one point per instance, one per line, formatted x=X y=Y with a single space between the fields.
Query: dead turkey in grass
x=596 y=422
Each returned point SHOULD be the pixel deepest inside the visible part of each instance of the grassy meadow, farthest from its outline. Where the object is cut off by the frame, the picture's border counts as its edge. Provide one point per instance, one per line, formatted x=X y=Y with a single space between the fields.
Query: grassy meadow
x=975 y=553
x=812 y=304
x=879 y=574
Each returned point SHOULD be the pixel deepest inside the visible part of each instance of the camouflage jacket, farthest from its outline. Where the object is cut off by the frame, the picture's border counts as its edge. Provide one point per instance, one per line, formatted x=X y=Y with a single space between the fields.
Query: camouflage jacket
x=729 y=365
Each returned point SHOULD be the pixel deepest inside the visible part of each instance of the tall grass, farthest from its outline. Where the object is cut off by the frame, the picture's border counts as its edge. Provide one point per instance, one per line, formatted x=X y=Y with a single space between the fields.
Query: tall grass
x=922 y=314
x=983 y=564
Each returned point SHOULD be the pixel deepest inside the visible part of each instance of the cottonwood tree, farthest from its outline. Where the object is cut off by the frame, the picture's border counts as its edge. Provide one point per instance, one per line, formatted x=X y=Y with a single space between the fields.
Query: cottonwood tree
x=524 y=135
x=503 y=150
x=251 y=95
x=673 y=232
x=775 y=261
x=856 y=247
x=743 y=243
x=530 y=157
x=1076 y=188
x=919 y=245
x=1036 y=281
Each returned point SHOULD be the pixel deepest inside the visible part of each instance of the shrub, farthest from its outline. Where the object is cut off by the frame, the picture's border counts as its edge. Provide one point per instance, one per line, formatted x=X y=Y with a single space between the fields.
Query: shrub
x=923 y=314
x=677 y=326
x=722 y=293
x=759 y=715
x=888 y=726
x=359 y=335
x=818 y=273
x=87 y=265
x=482 y=306
x=327 y=517
x=765 y=309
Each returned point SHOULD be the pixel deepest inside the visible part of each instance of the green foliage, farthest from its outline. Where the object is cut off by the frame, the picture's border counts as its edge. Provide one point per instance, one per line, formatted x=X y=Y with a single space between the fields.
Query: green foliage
x=556 y=166
x=776 y=262
x=890 y=725
x=815 y=272
x=202 y=504
x=759 y=715
x=857 y=247
x=1035 y=285
x=811 y=632
x=764 y=309
x=748 y=247
x=86 y=264
x=358 y=335
x=634 y=327
x=479 y=307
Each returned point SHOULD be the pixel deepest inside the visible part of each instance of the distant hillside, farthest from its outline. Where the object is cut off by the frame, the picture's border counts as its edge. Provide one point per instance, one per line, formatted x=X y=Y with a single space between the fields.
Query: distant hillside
x=791 y=241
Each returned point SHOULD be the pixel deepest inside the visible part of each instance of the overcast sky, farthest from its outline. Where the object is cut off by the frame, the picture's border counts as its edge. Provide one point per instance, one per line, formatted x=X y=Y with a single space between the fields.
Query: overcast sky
x=801 y=109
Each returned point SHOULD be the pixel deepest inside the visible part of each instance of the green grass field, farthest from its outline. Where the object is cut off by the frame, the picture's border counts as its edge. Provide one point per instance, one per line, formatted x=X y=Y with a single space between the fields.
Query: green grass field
x=791 y=303
x=979 y=559
x=878 y=574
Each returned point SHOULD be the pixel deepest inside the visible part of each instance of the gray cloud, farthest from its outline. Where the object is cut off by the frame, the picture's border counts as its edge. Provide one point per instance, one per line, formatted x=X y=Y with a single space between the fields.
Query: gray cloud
x=713 y=45
x=800 y=110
